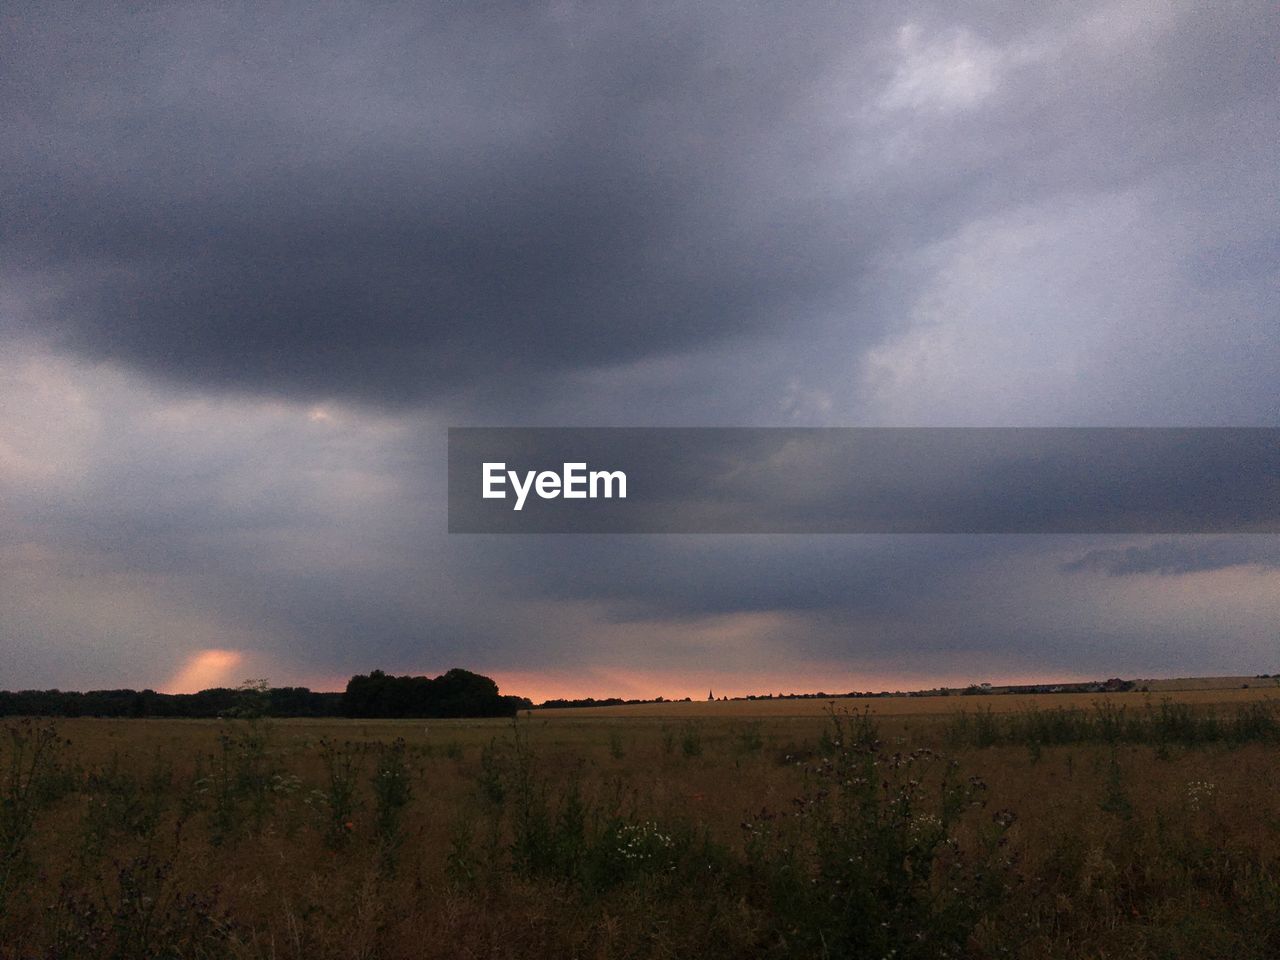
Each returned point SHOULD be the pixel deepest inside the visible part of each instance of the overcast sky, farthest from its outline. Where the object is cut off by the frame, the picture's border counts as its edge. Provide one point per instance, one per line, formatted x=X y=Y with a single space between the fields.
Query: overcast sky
x=255 y=259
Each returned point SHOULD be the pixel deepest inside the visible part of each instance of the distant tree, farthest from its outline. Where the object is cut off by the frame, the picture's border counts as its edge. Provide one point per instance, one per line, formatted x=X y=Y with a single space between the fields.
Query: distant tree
x=253 y=700
x=456 y=693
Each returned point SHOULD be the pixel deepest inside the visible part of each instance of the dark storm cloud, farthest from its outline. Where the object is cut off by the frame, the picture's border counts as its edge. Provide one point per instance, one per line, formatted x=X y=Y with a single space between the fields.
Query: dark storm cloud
x=1182 y=556
x=399 y=202
x=633 y=213
x=653 y=578
x=920 y=603
x=391 y=204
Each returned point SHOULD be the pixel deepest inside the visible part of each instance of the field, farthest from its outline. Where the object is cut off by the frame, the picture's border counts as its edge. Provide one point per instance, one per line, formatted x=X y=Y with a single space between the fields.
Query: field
x=902 y=706
x=1131 y=825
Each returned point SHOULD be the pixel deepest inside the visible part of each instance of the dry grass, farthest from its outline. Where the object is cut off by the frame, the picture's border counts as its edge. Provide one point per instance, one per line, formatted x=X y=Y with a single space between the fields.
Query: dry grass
x=904 y=706
x=1133 y=850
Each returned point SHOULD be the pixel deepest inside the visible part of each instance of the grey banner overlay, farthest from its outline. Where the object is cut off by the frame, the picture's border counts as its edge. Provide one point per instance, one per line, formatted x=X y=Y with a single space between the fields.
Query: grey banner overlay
x=877 y=480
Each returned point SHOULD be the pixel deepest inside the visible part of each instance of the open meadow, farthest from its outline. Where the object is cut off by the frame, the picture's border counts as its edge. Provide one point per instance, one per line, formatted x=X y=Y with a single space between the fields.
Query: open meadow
x=1129 y=825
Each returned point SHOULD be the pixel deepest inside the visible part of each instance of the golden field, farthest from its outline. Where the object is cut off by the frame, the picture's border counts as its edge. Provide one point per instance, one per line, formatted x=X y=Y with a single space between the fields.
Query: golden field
x=902 y=706
x=1048 y=826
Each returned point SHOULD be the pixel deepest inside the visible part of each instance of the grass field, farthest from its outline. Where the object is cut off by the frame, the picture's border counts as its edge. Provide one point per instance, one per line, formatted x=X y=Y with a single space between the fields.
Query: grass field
x=1038 y=827
x=897 y=706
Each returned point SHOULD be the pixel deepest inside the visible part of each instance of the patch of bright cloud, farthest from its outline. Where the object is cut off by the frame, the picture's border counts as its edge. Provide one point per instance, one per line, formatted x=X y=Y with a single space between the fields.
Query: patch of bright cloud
x=954 y=72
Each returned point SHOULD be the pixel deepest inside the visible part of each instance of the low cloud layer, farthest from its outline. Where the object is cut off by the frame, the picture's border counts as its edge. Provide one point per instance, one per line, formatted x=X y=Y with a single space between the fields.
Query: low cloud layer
x=1183 y=556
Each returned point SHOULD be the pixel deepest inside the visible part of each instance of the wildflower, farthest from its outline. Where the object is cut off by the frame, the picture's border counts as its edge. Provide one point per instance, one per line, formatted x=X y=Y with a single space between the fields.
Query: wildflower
x=1004 y=818
x=1198 y=792
x=924 y=826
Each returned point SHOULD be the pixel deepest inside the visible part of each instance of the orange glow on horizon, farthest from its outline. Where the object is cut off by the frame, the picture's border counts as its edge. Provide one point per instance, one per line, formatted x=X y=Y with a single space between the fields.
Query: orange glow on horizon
x=602 y=682
x=205 y=669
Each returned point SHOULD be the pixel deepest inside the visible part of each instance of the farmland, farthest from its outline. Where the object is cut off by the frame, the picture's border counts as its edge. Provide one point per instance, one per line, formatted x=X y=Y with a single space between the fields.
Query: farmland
x=1074 y=825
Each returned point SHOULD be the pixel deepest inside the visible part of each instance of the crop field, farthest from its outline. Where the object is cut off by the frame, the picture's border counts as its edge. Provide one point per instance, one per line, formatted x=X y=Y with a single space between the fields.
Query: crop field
x=1054 y=826
x=899 y=706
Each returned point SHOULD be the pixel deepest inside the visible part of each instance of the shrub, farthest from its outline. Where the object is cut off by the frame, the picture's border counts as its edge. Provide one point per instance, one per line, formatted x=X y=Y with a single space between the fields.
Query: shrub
x=392 y=792
x=30 y=782
x=491 y=778
x=869 y=864
x=691 y=740
x=337 y=804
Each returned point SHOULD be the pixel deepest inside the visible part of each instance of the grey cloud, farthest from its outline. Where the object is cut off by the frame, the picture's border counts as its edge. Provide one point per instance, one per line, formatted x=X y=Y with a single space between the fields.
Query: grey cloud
x=421 y=202
x=652 y=578
x=1181 y=556
x=423 y=199
x=701 y=213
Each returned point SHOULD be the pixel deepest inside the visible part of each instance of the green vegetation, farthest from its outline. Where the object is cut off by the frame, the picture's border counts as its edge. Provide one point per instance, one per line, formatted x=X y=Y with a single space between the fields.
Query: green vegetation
x=1164 y=724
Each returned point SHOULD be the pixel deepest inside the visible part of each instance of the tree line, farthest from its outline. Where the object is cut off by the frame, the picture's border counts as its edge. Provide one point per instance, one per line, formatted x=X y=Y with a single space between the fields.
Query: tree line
x=456 y=693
